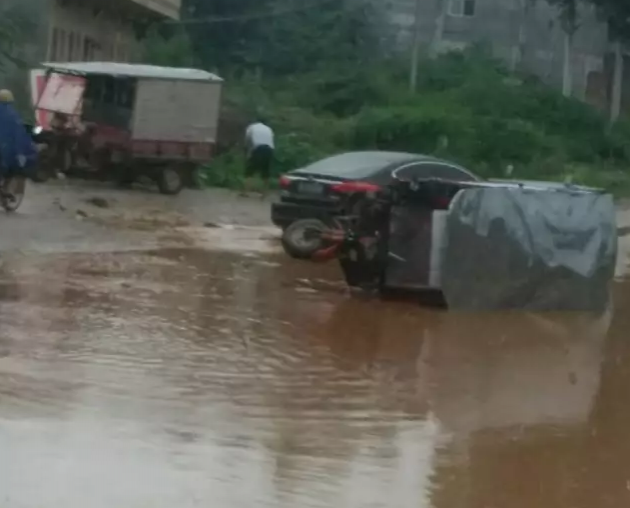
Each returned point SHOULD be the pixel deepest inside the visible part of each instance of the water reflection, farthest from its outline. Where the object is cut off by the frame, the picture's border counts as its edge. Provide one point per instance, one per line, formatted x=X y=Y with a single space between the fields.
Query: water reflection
x=517 y=394
x=185 y=375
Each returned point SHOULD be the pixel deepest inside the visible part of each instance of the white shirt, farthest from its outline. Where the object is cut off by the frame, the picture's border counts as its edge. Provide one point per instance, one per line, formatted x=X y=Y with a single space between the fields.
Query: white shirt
x=259 y=134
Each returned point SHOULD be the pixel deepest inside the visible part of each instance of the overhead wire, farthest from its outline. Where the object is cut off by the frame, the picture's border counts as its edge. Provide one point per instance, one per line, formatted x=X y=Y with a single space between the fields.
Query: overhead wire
x=249 y=17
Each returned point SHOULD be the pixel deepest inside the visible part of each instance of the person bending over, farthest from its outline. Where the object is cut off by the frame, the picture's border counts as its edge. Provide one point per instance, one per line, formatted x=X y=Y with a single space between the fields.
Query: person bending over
x=259 y=142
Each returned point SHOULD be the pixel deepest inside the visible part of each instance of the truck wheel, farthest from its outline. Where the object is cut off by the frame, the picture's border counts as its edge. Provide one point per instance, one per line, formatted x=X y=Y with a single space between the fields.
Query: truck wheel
x=170 y=181
x=302 y=238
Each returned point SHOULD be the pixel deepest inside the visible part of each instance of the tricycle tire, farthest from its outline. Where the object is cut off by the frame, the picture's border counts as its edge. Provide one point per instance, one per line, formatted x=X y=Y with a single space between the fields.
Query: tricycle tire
x=43 y=169
x=170 y=181
x=294 y=242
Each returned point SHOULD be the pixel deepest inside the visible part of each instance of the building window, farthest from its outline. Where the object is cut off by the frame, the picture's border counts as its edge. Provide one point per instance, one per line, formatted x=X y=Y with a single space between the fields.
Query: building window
x=71 y=39
x=54 y=45
x=88 y=49
x=79 y=47
x=61 y=48
x=121 y=53
x=462 y=8
x=108 y=52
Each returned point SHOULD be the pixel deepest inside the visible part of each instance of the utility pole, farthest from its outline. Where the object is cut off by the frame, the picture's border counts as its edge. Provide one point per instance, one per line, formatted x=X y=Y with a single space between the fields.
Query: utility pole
x=617 y=89
x=415 y=50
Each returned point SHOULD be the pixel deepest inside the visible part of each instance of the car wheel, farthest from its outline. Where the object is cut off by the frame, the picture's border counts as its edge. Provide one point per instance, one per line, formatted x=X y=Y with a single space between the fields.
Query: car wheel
x=303 y=238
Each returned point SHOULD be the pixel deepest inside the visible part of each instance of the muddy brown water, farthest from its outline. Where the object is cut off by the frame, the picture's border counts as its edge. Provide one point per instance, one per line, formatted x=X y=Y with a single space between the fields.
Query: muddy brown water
x=180 y=379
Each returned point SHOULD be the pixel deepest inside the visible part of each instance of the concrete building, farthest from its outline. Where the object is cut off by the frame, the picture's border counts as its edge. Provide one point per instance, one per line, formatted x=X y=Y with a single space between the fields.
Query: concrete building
x=77 y=30
x=85 y=30
x=525 y=34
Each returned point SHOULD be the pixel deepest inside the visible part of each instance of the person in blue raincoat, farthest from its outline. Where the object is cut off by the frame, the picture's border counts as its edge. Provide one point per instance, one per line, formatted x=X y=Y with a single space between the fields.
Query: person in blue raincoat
x=17 y=150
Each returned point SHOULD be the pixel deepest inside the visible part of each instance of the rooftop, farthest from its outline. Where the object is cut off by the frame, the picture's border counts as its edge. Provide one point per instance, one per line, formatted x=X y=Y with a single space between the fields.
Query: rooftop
x=168 y=8
x=132 y=70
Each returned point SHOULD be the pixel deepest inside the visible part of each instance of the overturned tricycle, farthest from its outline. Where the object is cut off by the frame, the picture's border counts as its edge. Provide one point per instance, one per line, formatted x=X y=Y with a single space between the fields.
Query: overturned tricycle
x=481 y=245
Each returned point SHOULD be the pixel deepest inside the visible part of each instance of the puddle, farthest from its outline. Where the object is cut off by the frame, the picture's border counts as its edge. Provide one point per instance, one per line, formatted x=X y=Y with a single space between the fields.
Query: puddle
x=180 y=375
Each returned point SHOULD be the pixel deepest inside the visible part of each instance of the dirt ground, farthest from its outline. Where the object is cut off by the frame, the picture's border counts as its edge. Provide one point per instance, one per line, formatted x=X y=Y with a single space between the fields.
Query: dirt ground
x=78 y=216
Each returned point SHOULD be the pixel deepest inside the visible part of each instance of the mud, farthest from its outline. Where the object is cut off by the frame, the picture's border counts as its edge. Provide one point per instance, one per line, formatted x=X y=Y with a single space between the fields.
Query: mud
x=193 y=366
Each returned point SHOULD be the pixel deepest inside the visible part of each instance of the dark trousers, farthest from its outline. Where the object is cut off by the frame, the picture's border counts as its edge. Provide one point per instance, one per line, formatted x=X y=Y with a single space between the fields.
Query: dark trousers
x=259 y=162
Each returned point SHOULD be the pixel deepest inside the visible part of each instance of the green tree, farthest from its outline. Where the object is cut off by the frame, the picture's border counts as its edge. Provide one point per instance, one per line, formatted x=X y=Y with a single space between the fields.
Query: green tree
x=332 y=36
x=17 y=29
x=222 y=30
x=9 y=39
x=170 y=48
x=617 y=15
x=283 y=37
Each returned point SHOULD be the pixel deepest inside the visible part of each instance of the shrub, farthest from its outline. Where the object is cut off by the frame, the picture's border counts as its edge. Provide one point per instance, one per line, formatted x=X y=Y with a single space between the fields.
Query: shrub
x=418 y=128
x=459 y=135
x=226 y=170
x=468 y=108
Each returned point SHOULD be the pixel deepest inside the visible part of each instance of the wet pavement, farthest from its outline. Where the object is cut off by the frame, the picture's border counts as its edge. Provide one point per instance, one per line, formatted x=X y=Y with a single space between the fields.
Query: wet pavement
x=149 y=360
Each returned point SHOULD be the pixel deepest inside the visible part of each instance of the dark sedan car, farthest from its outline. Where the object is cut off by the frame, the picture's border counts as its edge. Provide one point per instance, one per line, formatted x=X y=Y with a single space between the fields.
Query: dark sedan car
x=332 y=186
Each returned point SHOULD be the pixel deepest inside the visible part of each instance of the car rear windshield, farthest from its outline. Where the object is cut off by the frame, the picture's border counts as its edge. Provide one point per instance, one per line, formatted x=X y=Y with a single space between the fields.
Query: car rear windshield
x=354 y=165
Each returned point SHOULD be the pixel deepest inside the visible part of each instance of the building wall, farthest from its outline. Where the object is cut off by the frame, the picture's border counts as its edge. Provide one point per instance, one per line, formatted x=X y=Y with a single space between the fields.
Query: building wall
x=89 y=31
x=106 y=30
x=501 y=23
x=76 y=30
x=601 y=85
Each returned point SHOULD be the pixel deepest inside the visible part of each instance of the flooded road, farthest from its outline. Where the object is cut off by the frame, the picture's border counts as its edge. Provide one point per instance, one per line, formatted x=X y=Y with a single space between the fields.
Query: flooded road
x=185 y=377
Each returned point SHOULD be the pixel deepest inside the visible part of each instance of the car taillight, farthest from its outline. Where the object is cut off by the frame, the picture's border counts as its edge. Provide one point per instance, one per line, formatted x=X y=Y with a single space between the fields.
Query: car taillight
x=352 y=187
x=284 y=182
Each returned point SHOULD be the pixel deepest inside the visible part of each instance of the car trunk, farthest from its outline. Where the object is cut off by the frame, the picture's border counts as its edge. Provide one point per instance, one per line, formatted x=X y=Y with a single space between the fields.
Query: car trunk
x=310 y=188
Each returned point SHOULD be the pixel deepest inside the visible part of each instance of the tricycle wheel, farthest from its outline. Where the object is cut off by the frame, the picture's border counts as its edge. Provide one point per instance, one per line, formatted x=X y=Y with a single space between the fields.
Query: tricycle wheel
x=303 y=238
x=43 y=169
x=170 y=181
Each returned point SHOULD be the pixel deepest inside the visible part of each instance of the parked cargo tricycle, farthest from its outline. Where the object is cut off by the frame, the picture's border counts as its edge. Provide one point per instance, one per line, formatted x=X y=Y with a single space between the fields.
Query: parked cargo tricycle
x=123 y=122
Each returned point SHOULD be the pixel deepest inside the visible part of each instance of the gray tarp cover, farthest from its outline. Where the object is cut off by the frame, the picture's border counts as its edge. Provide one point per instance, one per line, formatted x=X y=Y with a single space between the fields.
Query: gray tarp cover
x=511 y=248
